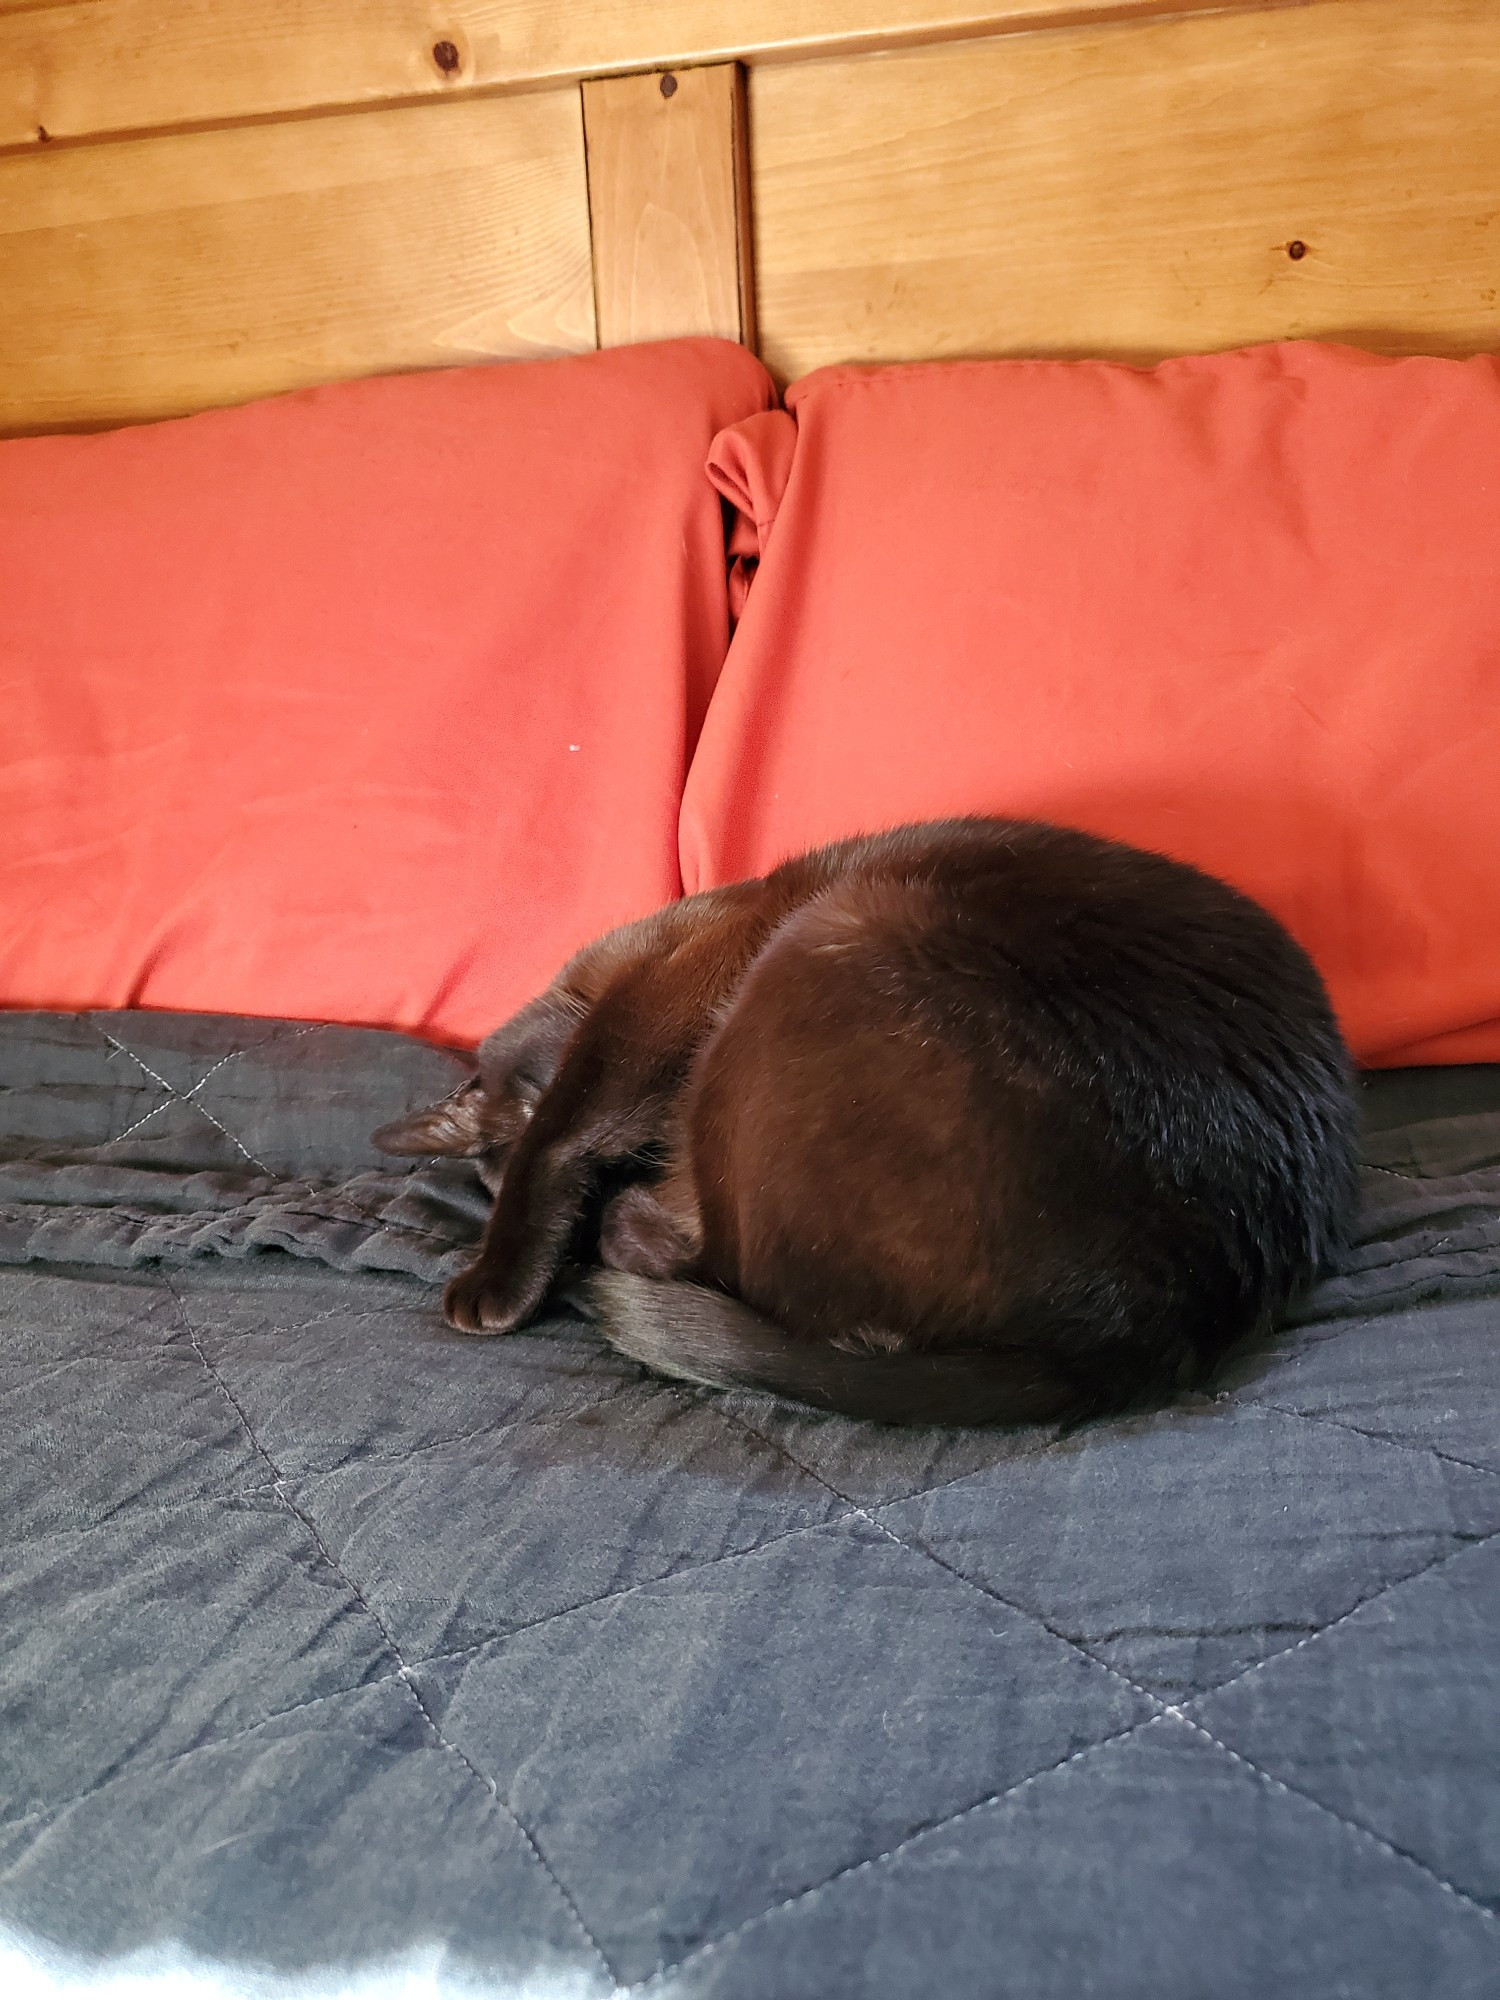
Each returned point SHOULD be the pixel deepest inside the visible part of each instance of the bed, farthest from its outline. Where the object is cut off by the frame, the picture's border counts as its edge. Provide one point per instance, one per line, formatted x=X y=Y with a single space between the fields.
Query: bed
x=341 y=1654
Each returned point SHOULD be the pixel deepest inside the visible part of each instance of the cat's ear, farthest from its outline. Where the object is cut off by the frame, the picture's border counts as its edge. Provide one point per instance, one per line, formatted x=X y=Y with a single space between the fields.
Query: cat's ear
x=452 y=1126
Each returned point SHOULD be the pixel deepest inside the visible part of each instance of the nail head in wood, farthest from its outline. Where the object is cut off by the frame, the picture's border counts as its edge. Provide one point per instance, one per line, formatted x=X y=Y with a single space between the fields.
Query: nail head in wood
x=671 y=236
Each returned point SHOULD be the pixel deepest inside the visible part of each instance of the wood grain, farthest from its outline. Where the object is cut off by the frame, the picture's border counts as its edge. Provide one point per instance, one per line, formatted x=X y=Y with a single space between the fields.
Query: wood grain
x=670 y=233
x=114 y=66
x=1138 y=192
x=154 y=276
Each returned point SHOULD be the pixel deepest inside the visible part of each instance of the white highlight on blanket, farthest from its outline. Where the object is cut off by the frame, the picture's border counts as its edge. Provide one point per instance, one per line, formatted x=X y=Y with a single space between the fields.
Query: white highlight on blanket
x=33 y=1970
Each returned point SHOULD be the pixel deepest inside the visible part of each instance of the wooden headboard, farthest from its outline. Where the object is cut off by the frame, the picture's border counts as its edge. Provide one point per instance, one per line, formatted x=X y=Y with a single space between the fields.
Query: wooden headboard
x=207 y=200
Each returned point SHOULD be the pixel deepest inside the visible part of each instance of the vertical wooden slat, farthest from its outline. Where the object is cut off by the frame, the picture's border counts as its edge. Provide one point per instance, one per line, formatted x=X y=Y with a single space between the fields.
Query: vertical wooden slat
x=669 y=205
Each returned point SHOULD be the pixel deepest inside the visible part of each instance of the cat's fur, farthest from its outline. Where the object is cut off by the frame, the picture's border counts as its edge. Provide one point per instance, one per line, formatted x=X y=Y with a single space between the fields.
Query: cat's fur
x=981 y=1121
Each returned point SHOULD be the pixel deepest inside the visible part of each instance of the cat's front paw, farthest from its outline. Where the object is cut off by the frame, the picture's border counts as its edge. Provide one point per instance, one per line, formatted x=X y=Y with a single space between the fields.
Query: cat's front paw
x=475 y=1302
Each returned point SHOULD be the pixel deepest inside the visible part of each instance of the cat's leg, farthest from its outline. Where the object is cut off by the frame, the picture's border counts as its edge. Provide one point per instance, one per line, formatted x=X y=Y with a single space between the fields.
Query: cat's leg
x=612 y=1098
x=616 y=1095
x=653 y=1228
x=482 y=1119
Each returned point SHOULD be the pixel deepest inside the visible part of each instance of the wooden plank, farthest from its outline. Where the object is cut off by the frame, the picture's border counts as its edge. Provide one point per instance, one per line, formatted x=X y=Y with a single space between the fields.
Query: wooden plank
x=1333 y=172
x=667 y=164
x=114 y=66
x=29 y=6
x=154 y=276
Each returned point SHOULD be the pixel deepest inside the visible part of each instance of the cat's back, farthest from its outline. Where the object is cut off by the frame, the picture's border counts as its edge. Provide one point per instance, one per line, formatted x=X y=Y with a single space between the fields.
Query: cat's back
x=1087 y=938
x=1153 y=1004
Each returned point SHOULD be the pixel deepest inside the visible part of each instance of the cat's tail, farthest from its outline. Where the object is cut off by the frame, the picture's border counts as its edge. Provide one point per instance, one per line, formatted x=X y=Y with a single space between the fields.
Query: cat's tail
x=697 y=1335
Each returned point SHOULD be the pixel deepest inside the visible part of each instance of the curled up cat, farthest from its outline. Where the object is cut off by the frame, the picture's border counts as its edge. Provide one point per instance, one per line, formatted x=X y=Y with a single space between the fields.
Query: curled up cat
x=983 y=1121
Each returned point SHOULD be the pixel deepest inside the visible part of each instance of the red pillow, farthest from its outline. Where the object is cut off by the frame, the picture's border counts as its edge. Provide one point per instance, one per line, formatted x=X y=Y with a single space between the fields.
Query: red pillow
x=367 y=704
x=1242 y=608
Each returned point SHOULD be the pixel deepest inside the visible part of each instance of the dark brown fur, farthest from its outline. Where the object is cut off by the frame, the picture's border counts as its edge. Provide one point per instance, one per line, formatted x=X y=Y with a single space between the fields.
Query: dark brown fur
x=974 y=1122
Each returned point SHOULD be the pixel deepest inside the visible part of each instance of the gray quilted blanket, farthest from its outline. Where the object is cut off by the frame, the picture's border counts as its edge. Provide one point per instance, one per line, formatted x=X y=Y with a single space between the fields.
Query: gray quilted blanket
x=338 y=1653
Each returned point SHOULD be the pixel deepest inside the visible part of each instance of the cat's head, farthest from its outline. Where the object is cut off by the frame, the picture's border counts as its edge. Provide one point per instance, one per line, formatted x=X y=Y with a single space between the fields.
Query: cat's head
x=483 y=1118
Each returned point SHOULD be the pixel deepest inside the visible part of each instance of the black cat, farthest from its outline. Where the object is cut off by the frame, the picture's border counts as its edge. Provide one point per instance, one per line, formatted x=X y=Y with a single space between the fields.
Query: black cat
x=980 y=1121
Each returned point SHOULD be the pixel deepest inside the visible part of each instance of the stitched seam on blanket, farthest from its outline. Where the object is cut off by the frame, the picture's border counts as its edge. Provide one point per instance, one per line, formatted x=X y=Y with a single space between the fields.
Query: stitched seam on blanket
x=171 y=1099
x=1353 y=1826
x=1169 y=1711
x=1322 y=1631
x=156 y=1765
x=213 y=1069
x=1375 y=1437
x=1243 y=1673
x=916 y=1548
x=1160 y=1703
x=280 y=1331
x=912 y=1839
x=252 y=1048
x=404 y=1671
x=155 y=1111
x=1231 y=1399
x=186 y=1098
x=941 y=1485
x=631 y=1589
x=110 y=1350
x=533 y=1423
x=177 y=1096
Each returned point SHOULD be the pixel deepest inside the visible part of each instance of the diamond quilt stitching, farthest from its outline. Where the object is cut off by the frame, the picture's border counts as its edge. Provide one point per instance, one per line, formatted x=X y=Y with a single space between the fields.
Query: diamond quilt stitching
x=1091 y=1640
x=180 y=1097
x=281 y=1329
x=157 y=1764
x=1177 y=1710
x=1361 y=1834
x=863 y=1867
x=1350 y=1721
x=914 y=1547
x=1161 y=1705
x=1333 y=1624
x=461 y=1437
x=403 y=1669
x=1351 y=1826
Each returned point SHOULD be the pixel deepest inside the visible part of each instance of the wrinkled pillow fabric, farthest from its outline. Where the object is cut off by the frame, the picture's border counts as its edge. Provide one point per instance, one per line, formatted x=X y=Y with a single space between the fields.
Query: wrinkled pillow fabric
x=365 y=704
x=1242 y=608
